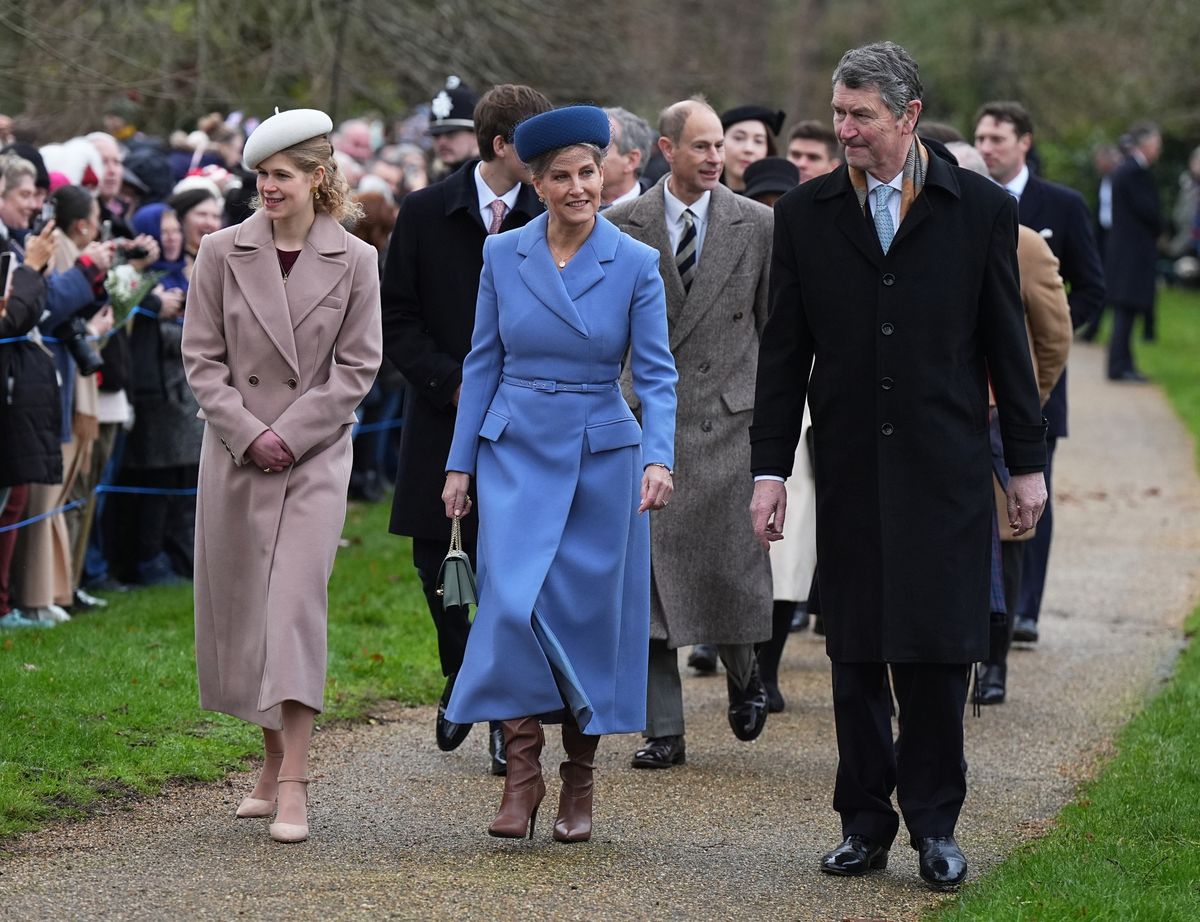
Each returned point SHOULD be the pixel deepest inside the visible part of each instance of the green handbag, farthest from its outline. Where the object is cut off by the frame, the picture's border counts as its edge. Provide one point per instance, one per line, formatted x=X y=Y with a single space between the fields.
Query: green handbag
x=456 y=579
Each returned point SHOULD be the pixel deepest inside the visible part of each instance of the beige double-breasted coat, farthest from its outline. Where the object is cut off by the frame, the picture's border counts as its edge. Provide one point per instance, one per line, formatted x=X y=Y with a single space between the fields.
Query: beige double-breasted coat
x=296 y=358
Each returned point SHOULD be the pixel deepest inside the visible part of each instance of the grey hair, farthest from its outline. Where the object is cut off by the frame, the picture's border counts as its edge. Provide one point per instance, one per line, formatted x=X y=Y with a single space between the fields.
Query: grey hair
x=968 y=157
x=541 y=163
x=635 y=134
x=14 y=168
x=884 y=66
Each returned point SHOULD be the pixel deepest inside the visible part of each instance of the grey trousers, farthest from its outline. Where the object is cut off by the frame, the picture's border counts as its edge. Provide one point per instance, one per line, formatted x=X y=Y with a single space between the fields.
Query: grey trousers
x=664 y=690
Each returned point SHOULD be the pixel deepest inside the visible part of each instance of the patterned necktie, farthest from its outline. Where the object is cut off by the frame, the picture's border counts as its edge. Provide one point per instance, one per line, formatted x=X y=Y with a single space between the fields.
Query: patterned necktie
x=883 y=216
x=685 y=253
x=498 y=210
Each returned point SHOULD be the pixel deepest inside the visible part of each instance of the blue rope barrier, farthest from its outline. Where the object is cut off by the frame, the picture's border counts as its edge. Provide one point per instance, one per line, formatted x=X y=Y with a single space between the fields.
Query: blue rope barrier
x=44 y=515
x=147 y=491
x=378 y=427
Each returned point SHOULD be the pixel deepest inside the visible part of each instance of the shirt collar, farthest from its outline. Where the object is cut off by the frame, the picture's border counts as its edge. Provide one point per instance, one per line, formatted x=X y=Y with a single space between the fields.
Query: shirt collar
x=897 y=183
x=634 y=191
x=675 y=207
x=1140 y=158
x=1017 y=184
x=487 y=196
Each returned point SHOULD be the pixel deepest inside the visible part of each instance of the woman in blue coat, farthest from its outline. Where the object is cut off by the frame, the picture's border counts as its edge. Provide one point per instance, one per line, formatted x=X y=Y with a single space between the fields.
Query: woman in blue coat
x=564 y=474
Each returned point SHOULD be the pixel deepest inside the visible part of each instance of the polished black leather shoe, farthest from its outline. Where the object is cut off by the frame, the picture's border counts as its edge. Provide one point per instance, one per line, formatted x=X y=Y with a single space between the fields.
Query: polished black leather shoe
x=1135 y=376
x=1025 y=630
x=496 y=750
x=990 y=687
x=942 y=863
x=748 y=707
x=449 y=734
x=660 y=752
x=854 y=857
x=703 y=659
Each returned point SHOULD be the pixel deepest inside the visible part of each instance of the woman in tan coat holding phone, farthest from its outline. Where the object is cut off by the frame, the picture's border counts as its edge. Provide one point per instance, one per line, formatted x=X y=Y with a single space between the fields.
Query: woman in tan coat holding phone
x=281 y=341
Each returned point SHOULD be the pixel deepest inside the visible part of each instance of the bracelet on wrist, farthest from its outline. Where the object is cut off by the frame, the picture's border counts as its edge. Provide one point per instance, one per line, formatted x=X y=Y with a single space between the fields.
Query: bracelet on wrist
x=670 y=473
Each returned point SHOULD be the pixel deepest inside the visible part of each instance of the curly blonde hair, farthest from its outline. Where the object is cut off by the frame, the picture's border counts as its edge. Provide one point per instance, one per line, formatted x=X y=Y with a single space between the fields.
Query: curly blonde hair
x=333 y=196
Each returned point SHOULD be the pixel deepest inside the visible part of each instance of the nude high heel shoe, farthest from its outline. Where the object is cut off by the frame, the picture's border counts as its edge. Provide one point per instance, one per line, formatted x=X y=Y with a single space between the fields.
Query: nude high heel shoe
x=291 y=832
x=256 y=807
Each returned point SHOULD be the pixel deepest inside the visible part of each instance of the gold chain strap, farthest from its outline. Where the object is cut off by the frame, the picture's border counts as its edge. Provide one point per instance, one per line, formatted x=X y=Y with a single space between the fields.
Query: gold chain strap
x=456 y=534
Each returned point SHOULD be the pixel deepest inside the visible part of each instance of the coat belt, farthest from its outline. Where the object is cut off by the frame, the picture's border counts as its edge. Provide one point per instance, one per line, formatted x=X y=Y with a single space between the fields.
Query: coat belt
x=550 y=387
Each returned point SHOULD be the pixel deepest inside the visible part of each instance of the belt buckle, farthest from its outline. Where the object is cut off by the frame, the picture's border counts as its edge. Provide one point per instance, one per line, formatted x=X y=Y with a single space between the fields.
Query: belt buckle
x=542 y=385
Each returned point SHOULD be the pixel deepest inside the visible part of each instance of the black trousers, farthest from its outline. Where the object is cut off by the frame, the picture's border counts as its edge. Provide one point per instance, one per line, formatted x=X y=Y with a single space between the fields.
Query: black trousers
x=1036 y=551
x=452 y=623
x=924 y=765
x=1120 y=347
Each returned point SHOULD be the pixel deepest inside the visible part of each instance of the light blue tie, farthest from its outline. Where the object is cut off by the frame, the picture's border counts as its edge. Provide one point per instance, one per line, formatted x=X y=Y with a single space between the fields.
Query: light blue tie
x=883 y=216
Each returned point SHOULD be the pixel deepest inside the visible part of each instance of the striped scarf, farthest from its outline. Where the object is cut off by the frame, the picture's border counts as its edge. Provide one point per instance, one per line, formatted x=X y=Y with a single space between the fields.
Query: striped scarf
x=915 y=166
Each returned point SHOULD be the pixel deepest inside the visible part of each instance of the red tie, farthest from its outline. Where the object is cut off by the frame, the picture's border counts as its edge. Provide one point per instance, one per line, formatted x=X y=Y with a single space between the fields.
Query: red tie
x=498 y=209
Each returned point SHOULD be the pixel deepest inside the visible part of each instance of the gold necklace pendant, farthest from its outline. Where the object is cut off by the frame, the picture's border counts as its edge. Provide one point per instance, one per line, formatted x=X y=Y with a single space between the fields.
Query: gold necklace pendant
x=562 y=264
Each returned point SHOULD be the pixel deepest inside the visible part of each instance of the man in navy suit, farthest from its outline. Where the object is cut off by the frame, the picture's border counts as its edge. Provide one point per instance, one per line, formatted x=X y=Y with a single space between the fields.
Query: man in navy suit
x=430 y=283
x=1004 y=135
x=1133 y=248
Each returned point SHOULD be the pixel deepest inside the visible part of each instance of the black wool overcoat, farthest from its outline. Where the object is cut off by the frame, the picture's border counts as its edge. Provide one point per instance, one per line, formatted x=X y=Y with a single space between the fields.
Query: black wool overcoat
x=430 y=284
x=1131 y=262
x=900 y=347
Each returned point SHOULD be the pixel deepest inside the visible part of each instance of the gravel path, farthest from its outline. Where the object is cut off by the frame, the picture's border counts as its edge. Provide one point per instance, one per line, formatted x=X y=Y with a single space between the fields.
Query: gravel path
x=399 y=827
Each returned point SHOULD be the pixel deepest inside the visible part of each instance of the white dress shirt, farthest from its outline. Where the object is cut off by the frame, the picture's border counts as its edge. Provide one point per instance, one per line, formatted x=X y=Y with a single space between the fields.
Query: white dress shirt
x=675 y=209
x=487 y=196
x=1016 y=186
x=893 y=204
x=634 y=191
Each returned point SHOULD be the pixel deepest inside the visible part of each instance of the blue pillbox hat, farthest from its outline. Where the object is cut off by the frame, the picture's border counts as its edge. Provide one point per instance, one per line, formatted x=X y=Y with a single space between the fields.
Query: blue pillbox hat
x=561 y=128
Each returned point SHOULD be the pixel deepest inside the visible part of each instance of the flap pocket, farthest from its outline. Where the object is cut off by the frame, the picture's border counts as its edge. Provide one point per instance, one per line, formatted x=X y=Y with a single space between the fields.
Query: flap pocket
x=739 y=399
x=493 y=425
x=331 y=302
x=619 y=433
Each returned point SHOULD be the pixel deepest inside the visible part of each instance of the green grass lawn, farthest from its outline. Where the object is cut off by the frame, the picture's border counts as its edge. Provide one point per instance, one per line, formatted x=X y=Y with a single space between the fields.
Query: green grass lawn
x=106 y=704
x=1128 y=848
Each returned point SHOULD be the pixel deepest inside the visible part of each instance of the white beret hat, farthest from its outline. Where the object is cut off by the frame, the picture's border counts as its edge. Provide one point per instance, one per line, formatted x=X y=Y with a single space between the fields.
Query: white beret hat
x=281 y=131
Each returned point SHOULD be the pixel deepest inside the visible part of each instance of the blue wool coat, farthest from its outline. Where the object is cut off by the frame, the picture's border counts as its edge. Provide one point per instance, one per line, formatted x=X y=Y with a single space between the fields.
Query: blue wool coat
x=564 y=558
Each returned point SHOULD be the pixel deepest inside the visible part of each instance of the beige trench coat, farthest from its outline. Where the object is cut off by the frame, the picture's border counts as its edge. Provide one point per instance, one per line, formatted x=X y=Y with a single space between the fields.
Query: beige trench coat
x=296 y=359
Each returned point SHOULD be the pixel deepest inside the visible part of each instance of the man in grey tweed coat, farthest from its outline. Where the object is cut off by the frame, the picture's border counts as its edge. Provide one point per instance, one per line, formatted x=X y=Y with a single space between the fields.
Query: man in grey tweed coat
x=711 y=581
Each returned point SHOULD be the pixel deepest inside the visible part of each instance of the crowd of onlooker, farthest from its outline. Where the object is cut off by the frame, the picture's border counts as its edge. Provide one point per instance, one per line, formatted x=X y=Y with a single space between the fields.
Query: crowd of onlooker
x=99 y=435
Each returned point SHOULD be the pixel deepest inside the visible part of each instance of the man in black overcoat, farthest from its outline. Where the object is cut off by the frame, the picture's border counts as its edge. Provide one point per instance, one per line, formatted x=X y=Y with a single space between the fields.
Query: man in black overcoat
x=430 y=283
x=1003 y=136
x=902 y=303
x=1132 y=254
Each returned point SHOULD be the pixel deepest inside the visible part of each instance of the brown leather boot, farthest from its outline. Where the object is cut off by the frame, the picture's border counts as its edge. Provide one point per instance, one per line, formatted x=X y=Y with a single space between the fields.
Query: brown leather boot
x=523 y=785
x=574 y=822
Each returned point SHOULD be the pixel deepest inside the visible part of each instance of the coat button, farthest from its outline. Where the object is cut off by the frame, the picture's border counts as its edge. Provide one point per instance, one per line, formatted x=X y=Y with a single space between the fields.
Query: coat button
x=887 y=329
x=706 y=426
x=291 y=382
x=704 y=367
x=253 y=379
x=889 y=279
x=886 y=383
x=887 y=428
x=738 y=316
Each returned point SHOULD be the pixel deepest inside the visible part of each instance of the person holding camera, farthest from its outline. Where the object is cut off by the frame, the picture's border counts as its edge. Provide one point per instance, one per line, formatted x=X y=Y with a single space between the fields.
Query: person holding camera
x=42 y=558
x=29 y=423
x=45 y=553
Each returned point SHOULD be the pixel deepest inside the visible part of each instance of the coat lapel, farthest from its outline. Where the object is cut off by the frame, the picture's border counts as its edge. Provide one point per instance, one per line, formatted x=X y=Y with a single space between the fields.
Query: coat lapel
x=650 y=217
x=940 y=175
x=851 y=219
x=255 y=267
x=725 y=239
x=318 y=270
x=541 y=275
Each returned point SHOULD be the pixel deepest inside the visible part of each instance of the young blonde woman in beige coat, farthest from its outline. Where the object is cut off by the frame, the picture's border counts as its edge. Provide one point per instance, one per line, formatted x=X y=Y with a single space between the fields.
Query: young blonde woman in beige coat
x=281 y=341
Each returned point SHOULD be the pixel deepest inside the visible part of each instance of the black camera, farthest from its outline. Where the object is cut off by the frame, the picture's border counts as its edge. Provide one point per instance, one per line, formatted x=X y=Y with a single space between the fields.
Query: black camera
x=46 y=216
x=135 y=252
x=73 y=334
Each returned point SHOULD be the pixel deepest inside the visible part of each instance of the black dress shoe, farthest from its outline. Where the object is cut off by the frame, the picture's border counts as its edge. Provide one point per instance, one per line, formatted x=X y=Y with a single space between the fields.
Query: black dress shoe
x=1025 y=630
x=990 y=686
x=943 y=865
x=496 y=750
x=703 y=659
x=748 y=707
x=449 y=734
x=660 y=752
x=799 y=618
x=854 y=857
x=818 y=625
x=85 y=601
